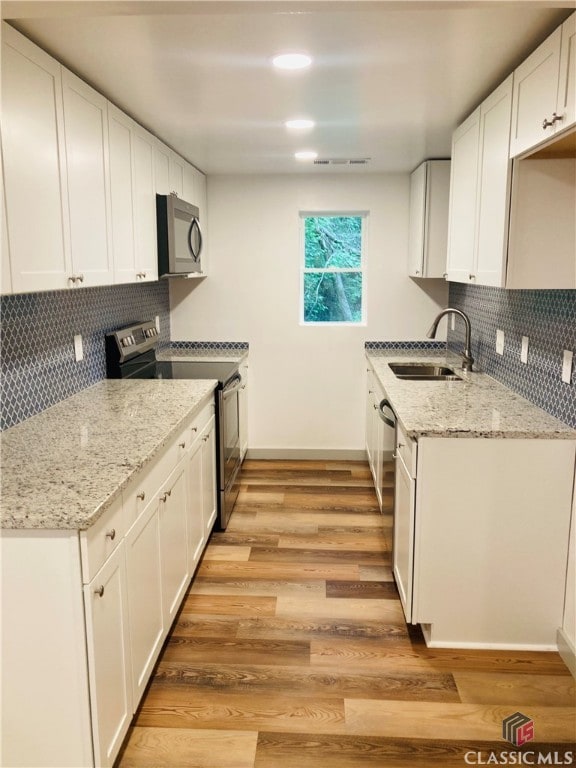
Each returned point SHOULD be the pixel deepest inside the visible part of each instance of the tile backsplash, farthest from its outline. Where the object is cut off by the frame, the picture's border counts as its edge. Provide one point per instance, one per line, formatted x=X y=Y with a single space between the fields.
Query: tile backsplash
x=547 y=318
x=38 y=367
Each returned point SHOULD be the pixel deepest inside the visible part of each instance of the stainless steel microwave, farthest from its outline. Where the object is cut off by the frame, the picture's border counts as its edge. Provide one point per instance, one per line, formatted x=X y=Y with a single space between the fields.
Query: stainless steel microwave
x=179 y=237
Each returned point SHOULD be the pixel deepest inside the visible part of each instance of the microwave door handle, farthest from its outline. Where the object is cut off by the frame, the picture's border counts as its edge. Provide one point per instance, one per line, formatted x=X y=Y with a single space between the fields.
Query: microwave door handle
x=194 y=224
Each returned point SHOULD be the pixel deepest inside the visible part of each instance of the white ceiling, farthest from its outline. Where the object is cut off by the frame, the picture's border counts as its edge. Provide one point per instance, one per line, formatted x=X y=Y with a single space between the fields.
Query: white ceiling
x=390 y=80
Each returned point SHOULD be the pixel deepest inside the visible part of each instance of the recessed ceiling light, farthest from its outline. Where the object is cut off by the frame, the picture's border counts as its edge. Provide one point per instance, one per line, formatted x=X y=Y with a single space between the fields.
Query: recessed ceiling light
x=306 y=154
x=292 y=61
x=301 y=124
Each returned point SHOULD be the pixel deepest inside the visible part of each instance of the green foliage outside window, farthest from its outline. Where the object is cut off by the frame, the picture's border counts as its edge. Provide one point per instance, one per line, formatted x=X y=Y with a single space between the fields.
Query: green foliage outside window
x=332 y=269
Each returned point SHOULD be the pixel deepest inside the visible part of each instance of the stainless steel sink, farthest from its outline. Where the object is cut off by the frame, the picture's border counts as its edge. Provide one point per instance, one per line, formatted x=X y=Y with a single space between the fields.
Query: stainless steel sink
x=423 y=372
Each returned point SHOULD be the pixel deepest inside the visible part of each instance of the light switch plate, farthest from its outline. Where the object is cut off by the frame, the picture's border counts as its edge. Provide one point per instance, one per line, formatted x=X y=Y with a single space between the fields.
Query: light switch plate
x=78 y=348
x=499 y=342
x=524 y=350
x=567 y=367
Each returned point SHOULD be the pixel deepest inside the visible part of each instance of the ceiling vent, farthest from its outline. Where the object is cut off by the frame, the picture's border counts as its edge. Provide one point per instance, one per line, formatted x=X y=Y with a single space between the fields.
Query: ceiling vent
x=343 y=161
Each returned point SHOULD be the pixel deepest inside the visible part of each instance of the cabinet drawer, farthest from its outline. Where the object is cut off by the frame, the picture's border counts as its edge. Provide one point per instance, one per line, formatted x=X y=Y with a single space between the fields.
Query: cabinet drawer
x=99 y=541
x=406 y=448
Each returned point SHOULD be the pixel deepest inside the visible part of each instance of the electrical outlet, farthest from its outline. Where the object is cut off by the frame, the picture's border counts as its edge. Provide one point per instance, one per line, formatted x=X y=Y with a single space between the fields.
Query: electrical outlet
x=452 y=322
x=157 y=323
x=567 y=367
x=499 y=342
x=78 y=348
x=524 y=350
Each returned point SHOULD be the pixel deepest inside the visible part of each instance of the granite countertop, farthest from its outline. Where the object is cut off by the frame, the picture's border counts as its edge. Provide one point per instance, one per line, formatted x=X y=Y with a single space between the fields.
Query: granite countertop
x=477 y=406
x=62 y=468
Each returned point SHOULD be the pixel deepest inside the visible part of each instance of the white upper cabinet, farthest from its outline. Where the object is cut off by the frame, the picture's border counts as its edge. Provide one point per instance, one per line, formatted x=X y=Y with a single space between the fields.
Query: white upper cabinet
x=479 y=193
x=544 y=88
x=176 y=174
x=86 y=141
x=427 y=237
x=120 y=147
x=34 y=166
x=144 y=199
x=162 y=168
x=494 y=174
x=463 y=195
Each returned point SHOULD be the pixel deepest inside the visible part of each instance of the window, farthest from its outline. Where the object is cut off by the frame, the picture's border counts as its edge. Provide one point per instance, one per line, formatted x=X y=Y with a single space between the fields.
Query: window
x=333 y=268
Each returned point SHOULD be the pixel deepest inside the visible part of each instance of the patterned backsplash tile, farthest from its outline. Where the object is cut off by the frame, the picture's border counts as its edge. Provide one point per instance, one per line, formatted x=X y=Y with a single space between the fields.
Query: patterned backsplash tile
x=38 y=367
x=374 y=345
x=548 y=318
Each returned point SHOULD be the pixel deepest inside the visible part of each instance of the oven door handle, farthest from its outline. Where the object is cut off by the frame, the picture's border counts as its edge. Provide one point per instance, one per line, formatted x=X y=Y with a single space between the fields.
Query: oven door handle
x=232 y=386
x=391 y=421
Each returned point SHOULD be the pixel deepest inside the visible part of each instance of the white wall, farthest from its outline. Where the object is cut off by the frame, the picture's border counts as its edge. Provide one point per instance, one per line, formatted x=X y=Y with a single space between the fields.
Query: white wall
x=306 y=383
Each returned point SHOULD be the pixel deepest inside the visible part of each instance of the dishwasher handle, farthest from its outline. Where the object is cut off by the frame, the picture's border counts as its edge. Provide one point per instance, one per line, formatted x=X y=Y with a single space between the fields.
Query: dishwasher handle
x=391 y=421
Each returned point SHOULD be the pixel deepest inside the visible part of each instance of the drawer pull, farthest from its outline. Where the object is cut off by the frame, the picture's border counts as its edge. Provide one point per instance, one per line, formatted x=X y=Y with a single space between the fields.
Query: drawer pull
x=141 y=496
x=99 y=591
x=111 y=534
x=182 y=445
x=165 y=496
x=401 y=445
x=194 y=429
x=206 y=437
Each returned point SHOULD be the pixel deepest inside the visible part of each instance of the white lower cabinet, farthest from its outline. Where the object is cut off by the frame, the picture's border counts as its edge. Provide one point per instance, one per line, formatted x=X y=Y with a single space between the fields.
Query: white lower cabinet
x=471 y=516
x=209 y=501
x=243 y=410
x=403 y=549
x=173 y=514
x=105 y=599
x=107 y=632
x=379 y=437
x=144 y=595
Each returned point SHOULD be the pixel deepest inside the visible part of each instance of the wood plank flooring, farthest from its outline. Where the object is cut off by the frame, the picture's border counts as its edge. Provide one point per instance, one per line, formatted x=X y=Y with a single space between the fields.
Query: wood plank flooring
x=291 y=650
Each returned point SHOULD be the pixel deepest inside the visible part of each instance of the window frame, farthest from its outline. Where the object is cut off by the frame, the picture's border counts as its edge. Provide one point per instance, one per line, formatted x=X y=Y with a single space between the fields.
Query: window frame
x=362 y=269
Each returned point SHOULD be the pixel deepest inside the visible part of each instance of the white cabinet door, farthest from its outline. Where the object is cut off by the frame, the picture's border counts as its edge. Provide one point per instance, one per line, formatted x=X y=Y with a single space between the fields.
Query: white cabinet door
x=144 y=576
x=176 y=170
x=105 y=601
x=243 y=410
x=144 y=205
x=404 y=507
x=494 y=187
x=5 y=276
x=416 y=217
x=535 y=94
x=161 y=168
x=209 y=502
x=427 y=242
x=86 y=139
x=196 y=537
x=34 y=166
x=566 y=101
x=120 y=139
x=173 y=514
x=463 y=191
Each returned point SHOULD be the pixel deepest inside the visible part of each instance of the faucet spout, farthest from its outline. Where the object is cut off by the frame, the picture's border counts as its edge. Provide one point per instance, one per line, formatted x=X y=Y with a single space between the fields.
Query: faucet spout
x=467 y=359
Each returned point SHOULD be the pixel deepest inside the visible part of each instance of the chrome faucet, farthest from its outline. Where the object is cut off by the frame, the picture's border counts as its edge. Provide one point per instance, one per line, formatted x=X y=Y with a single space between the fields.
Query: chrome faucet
x=467 y=359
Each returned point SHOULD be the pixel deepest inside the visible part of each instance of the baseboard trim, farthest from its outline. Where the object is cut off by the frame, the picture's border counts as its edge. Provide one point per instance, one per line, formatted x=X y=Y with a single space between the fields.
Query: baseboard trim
x=307 y=454
x=567 y=651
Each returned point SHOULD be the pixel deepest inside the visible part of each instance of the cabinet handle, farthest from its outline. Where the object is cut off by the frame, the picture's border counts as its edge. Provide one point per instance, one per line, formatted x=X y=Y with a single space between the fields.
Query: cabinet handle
x=182 y=445
x=205 y=438
x=165 y=495
x=80 y=278
x=401 y=445
x=99 y=591
x=141 y=496
x=375 y=407
x=445 y=275
x=394 y=455
x=194 y=429
x=417 y=271
x=111 y=534
x=549 y=123
x=472 y=277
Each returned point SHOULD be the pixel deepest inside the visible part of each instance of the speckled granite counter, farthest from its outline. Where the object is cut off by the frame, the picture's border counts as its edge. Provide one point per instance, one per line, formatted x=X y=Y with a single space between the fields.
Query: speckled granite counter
x=477 y=406
x=65 y=466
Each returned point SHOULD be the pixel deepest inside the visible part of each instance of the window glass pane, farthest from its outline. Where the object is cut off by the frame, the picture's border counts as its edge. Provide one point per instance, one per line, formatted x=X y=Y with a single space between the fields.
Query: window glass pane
x=333 y=297
x=333 y=241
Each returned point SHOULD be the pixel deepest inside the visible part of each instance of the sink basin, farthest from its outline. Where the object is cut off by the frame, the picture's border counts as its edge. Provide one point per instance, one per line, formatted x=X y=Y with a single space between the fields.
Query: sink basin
x=423 y=372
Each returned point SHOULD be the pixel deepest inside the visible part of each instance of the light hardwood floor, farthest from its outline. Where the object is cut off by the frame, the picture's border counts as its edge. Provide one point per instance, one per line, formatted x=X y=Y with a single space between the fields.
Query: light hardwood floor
x=291 y=650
